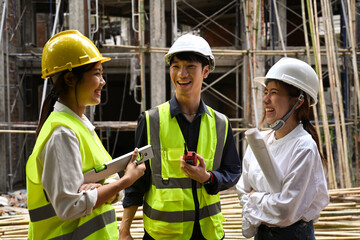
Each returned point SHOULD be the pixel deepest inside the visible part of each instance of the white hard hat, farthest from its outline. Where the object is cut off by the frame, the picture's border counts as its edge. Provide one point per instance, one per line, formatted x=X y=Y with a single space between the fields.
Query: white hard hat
x=296 y=73
x=191 y=43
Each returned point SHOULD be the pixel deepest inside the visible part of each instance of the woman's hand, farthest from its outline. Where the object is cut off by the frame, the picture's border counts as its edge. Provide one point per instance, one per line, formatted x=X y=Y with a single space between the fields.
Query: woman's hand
x=88 y=186
x=133 y=171
x=251 y=193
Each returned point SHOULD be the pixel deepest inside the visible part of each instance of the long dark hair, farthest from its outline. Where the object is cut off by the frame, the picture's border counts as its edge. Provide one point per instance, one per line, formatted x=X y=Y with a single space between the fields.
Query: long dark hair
x=302 y=114
x=58 y=89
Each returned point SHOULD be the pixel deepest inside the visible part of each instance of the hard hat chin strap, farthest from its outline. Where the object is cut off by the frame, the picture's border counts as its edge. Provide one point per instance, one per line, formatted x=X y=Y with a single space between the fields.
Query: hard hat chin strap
x=281 y=122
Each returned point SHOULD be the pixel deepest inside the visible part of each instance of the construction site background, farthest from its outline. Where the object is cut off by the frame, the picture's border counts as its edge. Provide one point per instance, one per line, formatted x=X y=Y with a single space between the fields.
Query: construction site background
x=247 y=38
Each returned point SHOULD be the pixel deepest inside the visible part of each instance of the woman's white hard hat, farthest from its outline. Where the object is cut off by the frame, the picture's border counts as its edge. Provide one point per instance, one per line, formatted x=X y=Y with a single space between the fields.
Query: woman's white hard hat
x=296 y=73
x=191 y=43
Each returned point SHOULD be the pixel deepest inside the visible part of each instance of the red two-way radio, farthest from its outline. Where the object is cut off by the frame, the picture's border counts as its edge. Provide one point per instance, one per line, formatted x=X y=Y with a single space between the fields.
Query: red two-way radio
x=190 y=156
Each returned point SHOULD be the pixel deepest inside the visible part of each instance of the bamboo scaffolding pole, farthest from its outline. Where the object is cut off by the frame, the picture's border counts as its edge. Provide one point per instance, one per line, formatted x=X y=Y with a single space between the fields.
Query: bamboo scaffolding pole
x=335 y=89
x=337 y=218
x=334 y=102
x=18 y=131
x=356 y=146
x=316 y=46
x=351 y=6
x=316 y=118
x=351 y=13
x=325 y=117
x=344 y=191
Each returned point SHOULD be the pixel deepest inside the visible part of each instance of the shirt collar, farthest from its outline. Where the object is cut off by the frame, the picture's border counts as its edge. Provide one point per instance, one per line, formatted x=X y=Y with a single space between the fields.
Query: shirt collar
x=176 y=110
x=297 y=132
x=59 y=107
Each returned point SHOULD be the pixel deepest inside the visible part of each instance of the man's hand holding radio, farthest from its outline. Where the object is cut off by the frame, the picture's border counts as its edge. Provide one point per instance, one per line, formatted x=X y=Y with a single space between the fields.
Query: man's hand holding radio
x=198 y=172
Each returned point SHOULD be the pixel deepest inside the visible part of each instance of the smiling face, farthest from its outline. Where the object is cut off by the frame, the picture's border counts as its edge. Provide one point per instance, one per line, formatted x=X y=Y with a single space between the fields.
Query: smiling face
x=88 y=89
x=277 y=101
x=187 y=76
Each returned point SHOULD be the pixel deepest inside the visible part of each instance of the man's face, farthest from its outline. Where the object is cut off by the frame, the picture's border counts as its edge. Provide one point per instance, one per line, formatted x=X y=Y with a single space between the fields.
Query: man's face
x=187 y=77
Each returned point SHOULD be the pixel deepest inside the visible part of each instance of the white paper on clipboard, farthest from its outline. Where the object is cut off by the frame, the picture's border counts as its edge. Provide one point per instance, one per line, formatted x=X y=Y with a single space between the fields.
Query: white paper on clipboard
x=117 y=165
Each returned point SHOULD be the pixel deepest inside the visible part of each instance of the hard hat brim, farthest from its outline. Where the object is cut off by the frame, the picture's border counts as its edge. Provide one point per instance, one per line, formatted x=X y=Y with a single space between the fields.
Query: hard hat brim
x=169 y=56
x=46 y=75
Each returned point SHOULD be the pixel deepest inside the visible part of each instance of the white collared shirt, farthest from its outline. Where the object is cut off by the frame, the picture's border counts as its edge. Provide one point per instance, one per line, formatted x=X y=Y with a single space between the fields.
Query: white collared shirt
x=304 y=189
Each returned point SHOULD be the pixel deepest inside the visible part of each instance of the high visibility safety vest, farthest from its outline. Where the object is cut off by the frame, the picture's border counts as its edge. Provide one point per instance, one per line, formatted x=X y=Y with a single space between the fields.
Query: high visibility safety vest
x=44 y=224
x=169 y=207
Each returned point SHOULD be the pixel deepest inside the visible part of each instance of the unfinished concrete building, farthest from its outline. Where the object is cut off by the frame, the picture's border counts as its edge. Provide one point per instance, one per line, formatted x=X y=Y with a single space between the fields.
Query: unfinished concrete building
x=247 y=37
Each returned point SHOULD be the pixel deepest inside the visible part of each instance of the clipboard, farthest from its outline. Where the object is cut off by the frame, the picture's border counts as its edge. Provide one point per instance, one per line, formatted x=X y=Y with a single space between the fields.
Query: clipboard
x=117 y=165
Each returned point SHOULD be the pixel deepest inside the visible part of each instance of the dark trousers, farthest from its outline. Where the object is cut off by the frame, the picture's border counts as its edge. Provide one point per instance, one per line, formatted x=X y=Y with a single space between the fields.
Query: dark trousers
x=300 y=230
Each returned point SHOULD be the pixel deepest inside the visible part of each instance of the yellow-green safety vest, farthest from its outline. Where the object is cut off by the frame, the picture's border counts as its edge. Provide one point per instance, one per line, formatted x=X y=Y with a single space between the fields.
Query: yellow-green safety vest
x=44 y=224
x=169 y=208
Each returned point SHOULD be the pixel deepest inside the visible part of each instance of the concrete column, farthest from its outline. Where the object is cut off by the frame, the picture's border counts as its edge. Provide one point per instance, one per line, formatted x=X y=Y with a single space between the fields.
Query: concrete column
x=157 y=62
x=77 y=15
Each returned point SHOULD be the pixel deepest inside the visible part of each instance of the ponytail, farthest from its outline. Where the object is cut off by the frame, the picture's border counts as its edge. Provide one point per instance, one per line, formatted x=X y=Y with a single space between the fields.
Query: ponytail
x=48 y=107
x=309 y=127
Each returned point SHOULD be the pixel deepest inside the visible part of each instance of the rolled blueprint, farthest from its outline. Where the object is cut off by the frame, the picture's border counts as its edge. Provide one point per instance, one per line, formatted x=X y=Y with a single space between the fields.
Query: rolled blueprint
x=266 y=161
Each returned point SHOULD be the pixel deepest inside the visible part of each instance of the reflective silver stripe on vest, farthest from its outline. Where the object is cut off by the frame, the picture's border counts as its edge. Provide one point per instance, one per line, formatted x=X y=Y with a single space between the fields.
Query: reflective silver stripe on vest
x=183 y=183
x=155 y=142
x=91 y=226
x=181 y=216
x=42 y=213
x=220 y=133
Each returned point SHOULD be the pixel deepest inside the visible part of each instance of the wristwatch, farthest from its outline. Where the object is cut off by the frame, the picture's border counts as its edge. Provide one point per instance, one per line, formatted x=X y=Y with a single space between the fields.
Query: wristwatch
x=211 y=178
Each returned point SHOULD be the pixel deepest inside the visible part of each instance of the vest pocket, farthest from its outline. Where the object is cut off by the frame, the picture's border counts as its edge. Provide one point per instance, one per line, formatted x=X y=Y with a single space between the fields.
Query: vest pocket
x=170 y=163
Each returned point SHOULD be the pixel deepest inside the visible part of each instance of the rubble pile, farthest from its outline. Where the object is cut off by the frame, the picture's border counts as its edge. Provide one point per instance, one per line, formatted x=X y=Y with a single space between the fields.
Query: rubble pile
x=13 y=203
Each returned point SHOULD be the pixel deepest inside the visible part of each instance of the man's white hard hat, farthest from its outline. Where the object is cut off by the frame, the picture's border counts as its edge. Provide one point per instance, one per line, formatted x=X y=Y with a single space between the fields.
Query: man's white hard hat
x=191 y=43
x=296 y=73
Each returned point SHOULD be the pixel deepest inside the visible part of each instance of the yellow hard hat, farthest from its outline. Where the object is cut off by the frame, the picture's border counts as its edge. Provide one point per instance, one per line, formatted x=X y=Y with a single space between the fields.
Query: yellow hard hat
x=67 y=50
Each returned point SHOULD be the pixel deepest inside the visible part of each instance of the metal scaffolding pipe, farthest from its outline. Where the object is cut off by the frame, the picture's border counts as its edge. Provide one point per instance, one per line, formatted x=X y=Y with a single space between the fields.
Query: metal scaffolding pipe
x=279 y=26
x=211 y=17
x=222 y=77
x=173 y=20
x=8 y=104
x=223 y=97
x=58 y=3
x=235 y=52
x=3 y=19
